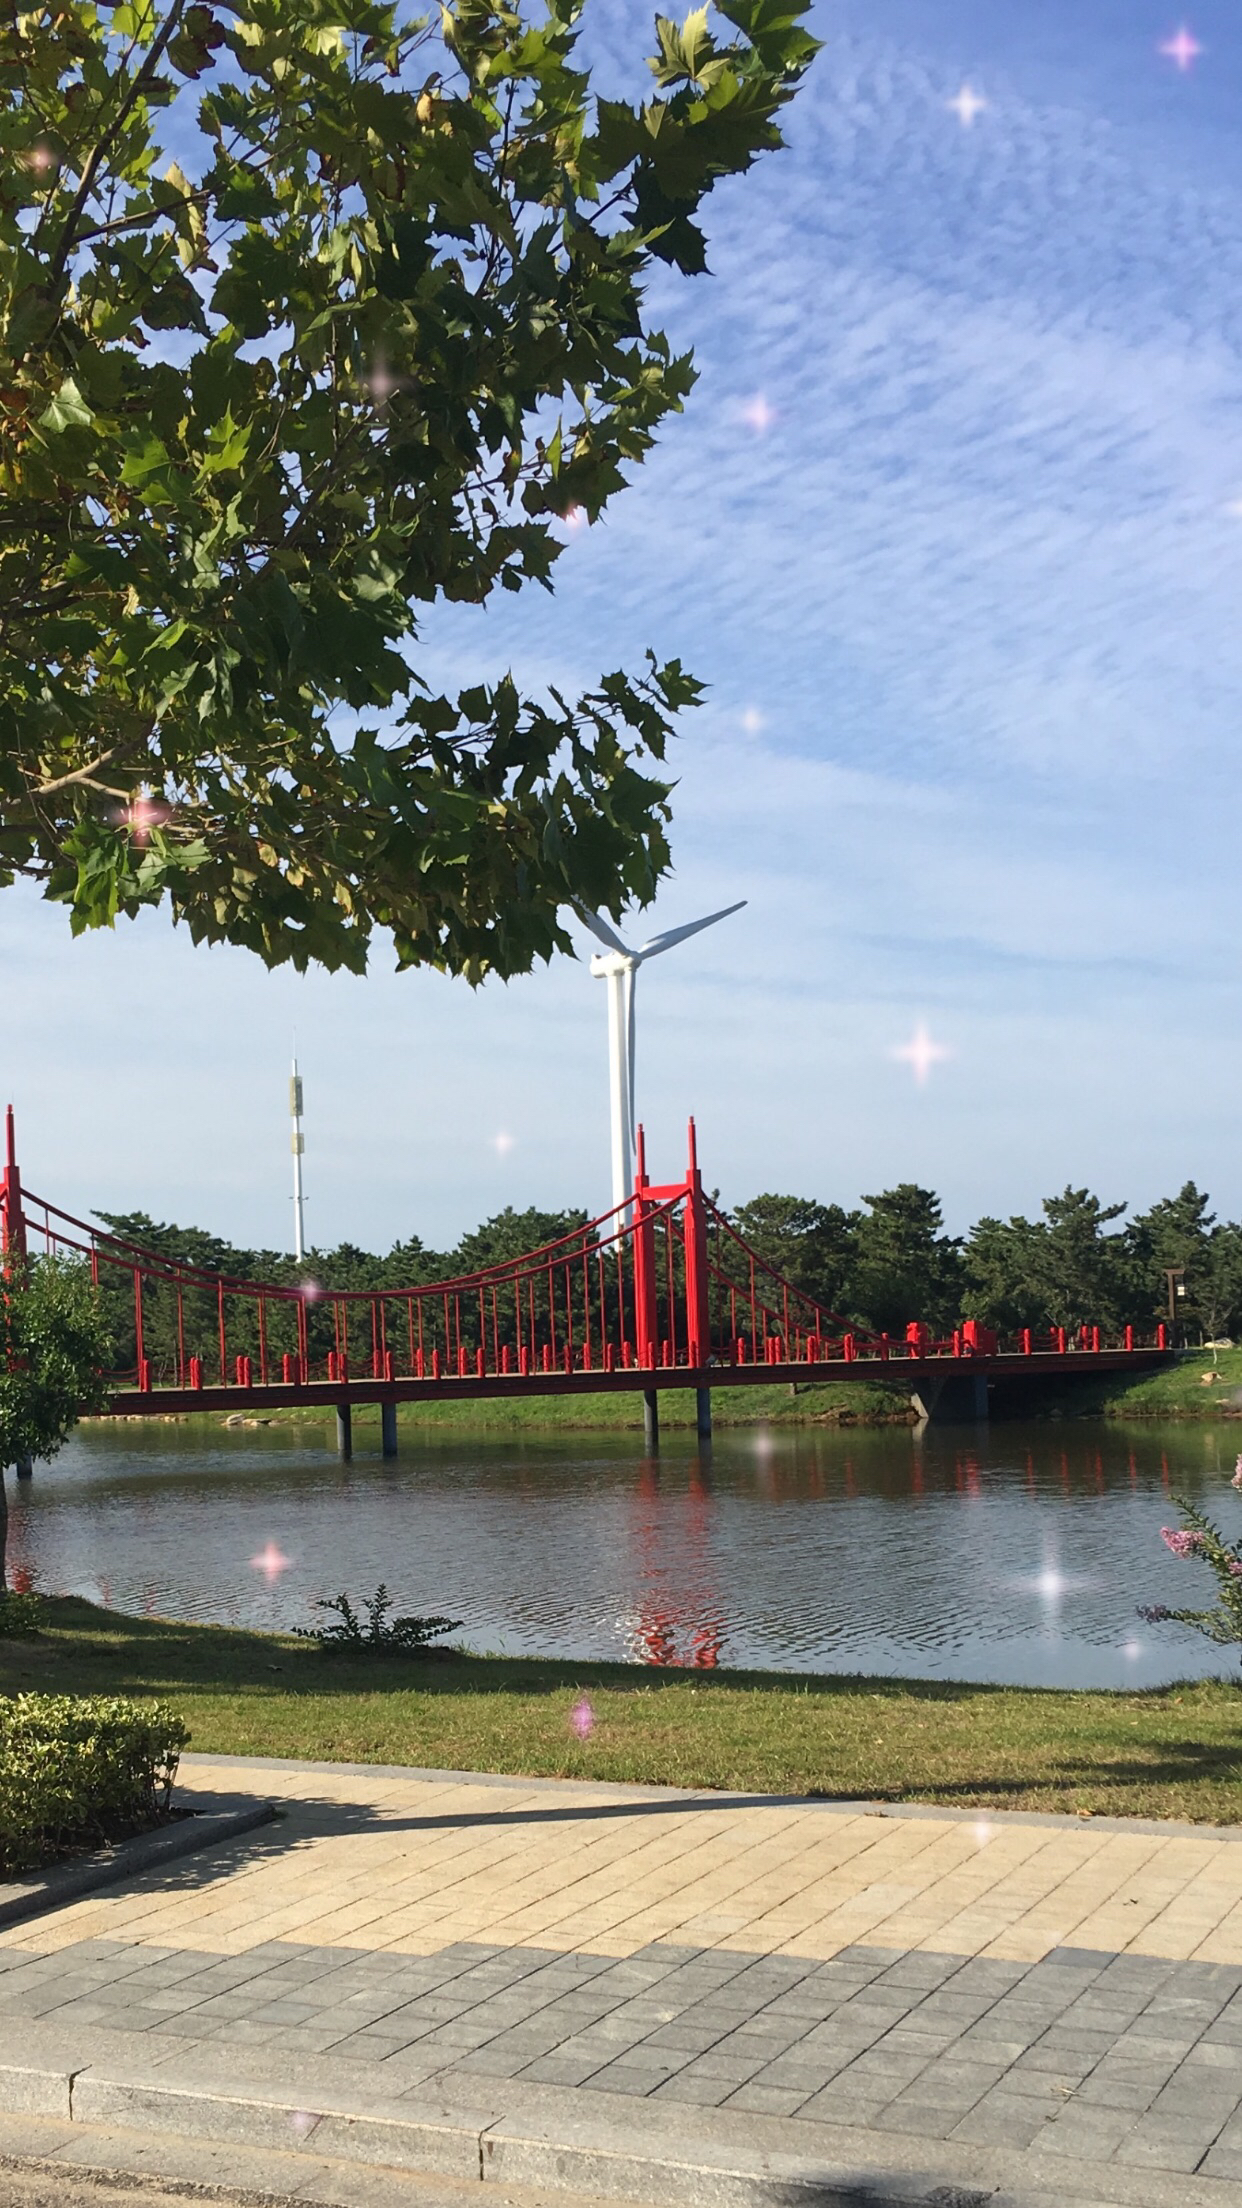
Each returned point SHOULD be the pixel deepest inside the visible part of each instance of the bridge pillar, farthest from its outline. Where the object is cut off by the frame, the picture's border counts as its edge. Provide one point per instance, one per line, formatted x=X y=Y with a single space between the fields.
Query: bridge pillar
x=651 y=1420
x=344 y=1430
x=388 y=1429
x=703 y=1413
x=24 y=1468
x=952 y=1400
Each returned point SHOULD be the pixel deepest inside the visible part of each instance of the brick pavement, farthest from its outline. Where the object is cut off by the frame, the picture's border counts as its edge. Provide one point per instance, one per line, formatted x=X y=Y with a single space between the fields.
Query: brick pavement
x=1075 y=1989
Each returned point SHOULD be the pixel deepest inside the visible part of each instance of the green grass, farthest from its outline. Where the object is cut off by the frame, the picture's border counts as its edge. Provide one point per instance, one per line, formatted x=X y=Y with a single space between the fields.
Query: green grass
x=1172 y=1753
x=833 y=1402
x=1180 y=1390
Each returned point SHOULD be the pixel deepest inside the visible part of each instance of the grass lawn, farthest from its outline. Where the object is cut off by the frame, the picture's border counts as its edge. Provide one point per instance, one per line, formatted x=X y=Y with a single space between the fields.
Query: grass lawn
x=1172 y=1753
x=831 y=1402
x=1197 y=1386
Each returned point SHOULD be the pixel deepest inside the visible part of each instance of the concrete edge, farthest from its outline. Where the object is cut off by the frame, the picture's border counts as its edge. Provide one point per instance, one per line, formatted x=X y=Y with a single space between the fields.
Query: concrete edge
x=204 y=1827
x=671 y=2158
x=707 y=1798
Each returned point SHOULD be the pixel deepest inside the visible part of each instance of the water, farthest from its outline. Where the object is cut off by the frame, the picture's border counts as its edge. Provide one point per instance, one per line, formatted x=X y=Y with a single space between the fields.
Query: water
x=1011 y=1553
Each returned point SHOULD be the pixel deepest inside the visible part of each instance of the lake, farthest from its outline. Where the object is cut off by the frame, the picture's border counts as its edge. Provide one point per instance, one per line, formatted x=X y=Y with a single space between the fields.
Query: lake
x=1015 y=1553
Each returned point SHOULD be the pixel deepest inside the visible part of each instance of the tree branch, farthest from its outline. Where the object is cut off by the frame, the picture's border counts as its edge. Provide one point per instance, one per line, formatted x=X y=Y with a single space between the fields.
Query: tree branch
x=81 y=775
x=103 y=147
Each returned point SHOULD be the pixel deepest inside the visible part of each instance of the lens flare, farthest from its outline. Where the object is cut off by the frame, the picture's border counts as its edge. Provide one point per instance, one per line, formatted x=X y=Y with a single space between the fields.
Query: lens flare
x=271 y=1561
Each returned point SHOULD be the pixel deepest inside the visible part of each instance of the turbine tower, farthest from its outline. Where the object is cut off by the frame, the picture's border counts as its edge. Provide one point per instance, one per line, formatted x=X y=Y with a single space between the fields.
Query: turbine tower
x=618 y=966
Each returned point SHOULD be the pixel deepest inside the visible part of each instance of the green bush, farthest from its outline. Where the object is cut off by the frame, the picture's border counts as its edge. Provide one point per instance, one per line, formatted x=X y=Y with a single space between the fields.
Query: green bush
x=21 y=1615
x=76 y=1771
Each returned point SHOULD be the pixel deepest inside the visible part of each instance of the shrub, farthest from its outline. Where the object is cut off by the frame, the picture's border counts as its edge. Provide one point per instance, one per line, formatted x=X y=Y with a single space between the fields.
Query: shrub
x=20 y=1615
x=381 y=1634
x=79 y=1771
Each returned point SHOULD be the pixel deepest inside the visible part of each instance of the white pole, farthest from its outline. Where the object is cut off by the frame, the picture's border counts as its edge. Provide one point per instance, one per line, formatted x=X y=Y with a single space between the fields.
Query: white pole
x=299 y=1145
x=620 y=982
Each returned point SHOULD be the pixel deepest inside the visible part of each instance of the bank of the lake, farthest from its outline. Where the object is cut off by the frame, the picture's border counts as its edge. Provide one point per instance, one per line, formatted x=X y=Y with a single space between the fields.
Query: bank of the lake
x=1171 y=1752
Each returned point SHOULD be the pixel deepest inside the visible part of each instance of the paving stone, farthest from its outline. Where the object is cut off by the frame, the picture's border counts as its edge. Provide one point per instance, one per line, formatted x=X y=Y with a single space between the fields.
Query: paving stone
x=557 y=2070
x=925 y=2119
x=765 y=2100
x=1101 y=2090
x=702 y=2092
x=1223 y=2162
x=1163 y=2147
x=1088 y=2134
x=1014 y=2123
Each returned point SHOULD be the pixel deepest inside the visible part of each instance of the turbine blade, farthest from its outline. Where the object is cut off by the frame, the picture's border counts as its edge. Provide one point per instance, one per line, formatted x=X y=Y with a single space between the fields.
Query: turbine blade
x=670 y=936
x=601 y=928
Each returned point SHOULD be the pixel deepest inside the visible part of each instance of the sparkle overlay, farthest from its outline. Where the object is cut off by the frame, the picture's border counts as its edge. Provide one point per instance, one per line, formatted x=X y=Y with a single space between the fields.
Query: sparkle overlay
x=758 y=415
x=143 y=814
x=271 y=1561
x=966 y=105
x=921 y=1054
x=1183 y=49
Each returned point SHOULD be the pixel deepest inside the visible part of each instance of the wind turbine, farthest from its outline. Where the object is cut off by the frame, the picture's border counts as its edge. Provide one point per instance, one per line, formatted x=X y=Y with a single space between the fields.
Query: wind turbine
x=618 y=966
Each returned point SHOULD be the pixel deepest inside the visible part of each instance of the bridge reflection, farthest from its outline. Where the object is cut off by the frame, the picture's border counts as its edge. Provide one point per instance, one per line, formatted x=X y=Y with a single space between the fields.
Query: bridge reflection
x=681 y=1615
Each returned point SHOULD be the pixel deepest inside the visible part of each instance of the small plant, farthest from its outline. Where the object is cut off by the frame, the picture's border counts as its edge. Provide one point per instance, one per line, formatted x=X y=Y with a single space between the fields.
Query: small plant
x=1197 y=1536
x=380 y=1634
x=21 y=1614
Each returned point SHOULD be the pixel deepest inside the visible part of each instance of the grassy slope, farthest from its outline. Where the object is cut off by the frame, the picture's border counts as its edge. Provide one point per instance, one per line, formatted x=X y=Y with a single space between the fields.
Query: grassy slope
x=832 y=1403
x=1174 y=1753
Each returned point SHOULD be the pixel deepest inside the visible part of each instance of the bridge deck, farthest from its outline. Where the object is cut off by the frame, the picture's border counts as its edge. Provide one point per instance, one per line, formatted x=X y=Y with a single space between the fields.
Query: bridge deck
x=910 y=1374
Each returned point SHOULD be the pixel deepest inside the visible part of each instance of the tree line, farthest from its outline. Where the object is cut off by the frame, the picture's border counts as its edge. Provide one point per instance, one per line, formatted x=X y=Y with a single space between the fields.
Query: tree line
x=1081 y=1262
x=877 y=1266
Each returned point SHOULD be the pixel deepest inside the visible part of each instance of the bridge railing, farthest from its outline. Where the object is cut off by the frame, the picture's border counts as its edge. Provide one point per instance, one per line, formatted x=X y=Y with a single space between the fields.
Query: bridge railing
x=663 y=1281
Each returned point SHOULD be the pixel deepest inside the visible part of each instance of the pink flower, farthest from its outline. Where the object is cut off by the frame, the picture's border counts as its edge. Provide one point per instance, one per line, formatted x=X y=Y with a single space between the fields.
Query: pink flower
x=1234 y=1567
x=1181 y=1542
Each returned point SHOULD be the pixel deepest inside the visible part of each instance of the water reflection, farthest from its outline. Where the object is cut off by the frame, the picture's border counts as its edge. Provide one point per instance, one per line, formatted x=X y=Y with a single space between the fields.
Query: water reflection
x=1015 y=1553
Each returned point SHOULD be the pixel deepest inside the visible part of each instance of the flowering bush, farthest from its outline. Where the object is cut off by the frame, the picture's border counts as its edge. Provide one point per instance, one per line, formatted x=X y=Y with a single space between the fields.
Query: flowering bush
x=1197 y=1536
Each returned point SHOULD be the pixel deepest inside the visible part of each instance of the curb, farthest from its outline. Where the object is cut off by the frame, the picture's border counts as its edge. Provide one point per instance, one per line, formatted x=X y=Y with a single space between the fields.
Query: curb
x=212 y=1818
x=667 y=2158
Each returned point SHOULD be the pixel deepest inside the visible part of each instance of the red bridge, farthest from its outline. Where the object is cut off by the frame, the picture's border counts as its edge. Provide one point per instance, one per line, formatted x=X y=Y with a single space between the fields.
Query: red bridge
x=657 y=1293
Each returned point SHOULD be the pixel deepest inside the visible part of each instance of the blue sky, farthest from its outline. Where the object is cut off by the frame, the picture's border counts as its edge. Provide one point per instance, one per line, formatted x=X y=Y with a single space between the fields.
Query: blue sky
x=953 y=527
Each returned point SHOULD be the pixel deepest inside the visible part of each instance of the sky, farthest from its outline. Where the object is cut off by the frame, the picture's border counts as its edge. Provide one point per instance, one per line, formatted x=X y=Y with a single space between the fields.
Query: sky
x=952 y=528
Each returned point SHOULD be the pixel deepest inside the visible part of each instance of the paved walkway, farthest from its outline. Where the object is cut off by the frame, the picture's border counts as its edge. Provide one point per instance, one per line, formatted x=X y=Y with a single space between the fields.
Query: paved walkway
x=1071 y=1988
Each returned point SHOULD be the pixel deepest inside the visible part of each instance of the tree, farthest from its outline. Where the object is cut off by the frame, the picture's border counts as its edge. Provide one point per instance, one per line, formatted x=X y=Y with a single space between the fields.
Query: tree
x=357 y=349
x=53 y=1347
x=1079 y=1271
x=1181 y=1231
x=511 y=1234
x=813 y=1245
x=1005 y=1286
x=908 y=1268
